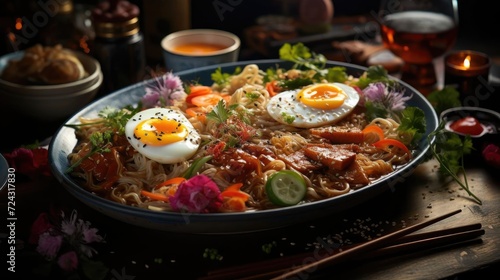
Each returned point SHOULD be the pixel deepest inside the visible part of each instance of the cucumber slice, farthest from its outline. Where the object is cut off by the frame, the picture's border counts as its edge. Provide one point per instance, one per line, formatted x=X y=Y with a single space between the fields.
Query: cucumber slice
x=286 y=188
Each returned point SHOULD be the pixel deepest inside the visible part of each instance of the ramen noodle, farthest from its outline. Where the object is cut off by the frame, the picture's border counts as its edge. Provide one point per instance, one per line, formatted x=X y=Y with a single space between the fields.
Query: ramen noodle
x=240 y=142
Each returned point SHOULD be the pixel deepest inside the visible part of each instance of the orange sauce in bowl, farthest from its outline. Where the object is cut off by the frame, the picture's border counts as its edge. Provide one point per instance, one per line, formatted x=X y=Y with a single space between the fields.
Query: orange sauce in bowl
x=198 y=48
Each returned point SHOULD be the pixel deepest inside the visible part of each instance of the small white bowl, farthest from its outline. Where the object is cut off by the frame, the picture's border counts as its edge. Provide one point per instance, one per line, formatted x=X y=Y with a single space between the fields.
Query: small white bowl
x=90 y=64
x=176 y=60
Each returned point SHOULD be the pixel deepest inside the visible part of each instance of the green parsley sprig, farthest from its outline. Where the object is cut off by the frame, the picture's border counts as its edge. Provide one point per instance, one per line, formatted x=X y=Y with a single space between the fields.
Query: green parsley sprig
x=448 y=148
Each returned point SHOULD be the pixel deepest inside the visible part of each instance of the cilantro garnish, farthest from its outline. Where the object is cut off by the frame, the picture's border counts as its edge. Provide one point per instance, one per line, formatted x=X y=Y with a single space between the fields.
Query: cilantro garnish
x=449 y=150
x=373 y=74
x=287 y=118
x=303 y=57
x=99 y=144
x=444 y=99
x=212 y=253
x=221 y=78
x=219 y=113
x=412 y=126
x=266 y=248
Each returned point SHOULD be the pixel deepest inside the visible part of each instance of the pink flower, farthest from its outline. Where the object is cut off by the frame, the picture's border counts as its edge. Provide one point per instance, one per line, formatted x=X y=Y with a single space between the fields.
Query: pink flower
x=491 y=154
x=49 y=245
x=197 y=195
x=30 y=162
x=68 y=261
x=40 y=225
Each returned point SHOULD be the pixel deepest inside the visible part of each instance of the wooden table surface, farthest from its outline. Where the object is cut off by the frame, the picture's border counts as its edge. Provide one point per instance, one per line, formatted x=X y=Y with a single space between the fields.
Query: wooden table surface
x=141 y=253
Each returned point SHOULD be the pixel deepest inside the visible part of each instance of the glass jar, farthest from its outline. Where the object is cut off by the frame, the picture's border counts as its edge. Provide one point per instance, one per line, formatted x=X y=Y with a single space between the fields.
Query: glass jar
x=119 y=47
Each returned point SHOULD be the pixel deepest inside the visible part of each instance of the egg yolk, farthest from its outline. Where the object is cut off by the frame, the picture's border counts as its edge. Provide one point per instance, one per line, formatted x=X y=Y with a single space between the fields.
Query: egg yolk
x=160 y=132
x=322 y=96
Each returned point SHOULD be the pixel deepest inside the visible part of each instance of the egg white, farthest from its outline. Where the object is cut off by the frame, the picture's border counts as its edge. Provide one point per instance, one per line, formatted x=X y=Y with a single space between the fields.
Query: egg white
x=285 y=104
x=168 y=153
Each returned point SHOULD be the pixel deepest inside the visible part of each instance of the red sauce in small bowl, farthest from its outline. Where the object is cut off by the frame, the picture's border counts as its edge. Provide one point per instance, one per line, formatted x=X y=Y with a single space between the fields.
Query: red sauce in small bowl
x=468 y=126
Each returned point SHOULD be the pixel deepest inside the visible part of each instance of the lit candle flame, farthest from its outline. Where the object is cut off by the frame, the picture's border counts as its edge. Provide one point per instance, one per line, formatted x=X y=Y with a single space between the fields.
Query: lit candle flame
x=467 y=62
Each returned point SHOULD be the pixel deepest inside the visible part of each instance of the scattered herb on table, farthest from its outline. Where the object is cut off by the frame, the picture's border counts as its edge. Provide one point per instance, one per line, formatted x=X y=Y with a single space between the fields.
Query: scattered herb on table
x=213 y=254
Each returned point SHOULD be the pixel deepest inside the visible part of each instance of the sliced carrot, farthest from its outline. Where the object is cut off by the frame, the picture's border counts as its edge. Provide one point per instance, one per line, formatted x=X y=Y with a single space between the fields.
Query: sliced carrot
x=390 y=144
x=373 y=129
x=197 y=90
x=234 y=191
x=234 y=204
x=154 y=196
x=272 y=88
x=171 y=181
x=206 y=100
x=197 y=112
x=171 y=191
x=234 y=187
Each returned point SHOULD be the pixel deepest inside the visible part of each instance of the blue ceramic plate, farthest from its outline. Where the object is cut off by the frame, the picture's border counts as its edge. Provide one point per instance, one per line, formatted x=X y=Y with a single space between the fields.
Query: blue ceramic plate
x=217 y=223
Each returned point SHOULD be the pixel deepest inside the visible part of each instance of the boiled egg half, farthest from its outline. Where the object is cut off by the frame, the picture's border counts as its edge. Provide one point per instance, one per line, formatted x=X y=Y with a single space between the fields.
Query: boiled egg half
x=314 y=105
x=163 y=135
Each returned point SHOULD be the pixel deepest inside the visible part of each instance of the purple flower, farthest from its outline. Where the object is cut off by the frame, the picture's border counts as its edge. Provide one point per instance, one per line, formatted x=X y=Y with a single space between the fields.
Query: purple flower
x=197 y=195
x=375 y=92
x=388 y=98
x=166 y=91
x=68 y=261
x=396 y=101
x=49 y=245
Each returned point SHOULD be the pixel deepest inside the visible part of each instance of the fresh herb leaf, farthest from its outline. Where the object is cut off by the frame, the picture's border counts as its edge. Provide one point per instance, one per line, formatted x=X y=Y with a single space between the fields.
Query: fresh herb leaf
x=373 y=74
x=449 y=150
x=219 y=77
x=287 y=118
x=114 y=121
x=337 y=74
x=99 y=142
x=220 y=114
x=212 y=254
x=443 y=99
x=294 y=83
x=375 y=110
x=303 y=57
x=412 y=126
x=267 y=248
x=222 y=78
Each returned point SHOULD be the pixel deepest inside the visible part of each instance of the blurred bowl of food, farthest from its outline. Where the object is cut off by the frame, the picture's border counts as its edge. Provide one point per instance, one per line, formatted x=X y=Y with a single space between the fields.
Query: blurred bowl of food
x=48 y=83
x=193 y=48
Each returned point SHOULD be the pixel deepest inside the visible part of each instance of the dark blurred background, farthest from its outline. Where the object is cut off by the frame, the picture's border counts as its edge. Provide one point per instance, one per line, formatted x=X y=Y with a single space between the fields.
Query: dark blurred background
x=478 y=21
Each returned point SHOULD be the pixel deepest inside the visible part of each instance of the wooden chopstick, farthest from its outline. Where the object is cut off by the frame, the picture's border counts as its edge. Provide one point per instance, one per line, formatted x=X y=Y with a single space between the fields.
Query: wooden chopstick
x=398 y=243
x=455 y=239
x=432 y=242
x=370 y=245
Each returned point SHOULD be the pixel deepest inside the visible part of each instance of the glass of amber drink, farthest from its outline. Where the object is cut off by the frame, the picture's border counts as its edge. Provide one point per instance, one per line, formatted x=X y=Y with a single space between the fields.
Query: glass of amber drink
x=419 y=31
